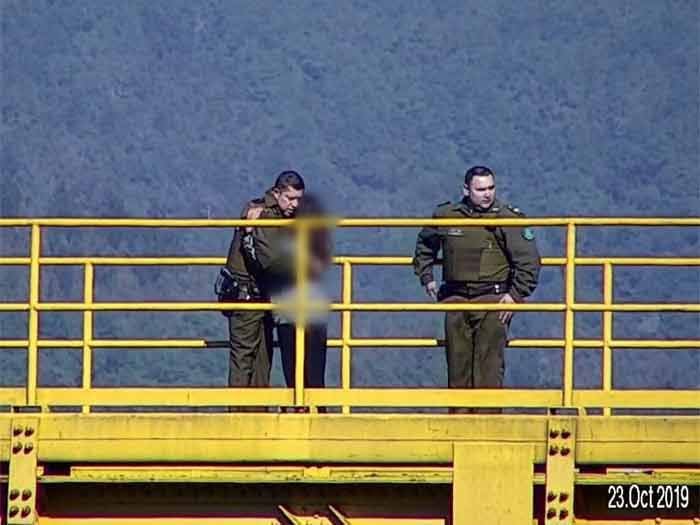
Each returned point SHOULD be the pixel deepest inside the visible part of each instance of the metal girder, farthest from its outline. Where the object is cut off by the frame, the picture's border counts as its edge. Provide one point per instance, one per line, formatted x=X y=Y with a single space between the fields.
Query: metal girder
x=559 y=485
x=22 y=482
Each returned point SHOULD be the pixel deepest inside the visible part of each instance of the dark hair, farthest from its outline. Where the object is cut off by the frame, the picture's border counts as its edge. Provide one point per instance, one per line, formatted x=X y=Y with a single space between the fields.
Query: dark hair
x=289 y=179
x=477 y=171
x=310 y=206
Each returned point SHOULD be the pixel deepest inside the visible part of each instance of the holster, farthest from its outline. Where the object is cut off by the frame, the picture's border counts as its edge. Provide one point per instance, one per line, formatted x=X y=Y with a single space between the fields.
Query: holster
x=229 y=289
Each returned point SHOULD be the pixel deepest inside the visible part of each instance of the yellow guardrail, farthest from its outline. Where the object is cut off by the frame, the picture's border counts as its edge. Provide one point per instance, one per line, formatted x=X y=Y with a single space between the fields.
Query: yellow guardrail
x=344 y=396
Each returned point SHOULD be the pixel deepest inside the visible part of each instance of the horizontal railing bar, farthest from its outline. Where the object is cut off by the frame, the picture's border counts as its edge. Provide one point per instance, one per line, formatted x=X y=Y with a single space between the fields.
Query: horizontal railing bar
x=638 y=398
x=353 y=259
x=640 y=344
x=350 y=222
x=358 y=307
x=178 y=396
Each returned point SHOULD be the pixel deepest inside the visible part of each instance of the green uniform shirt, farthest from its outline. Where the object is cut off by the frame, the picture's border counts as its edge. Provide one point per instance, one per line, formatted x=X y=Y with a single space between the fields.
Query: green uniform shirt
x=259 y=256
x=479 y=254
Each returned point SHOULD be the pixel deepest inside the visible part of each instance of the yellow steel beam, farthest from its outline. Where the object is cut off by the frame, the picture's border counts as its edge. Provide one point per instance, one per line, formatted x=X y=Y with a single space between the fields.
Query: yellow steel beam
x=193 y=520
x=492 y=484
x=382 y=438
x=357 y=307
x=391 y=260
x=256 y=474
x=351 y=222
x=165 y=396
x=394 y=342
x=33 y=336
x=367 y=397
x=346 y=333
x=12 y=396
x=88 y=286
x=638 y=398
x=570 y=299
x=22 y=490
x=435 y=397
x=606 y=370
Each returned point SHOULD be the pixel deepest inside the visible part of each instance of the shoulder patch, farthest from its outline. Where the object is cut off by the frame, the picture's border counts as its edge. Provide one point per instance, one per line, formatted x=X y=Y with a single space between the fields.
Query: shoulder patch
x=528 y=234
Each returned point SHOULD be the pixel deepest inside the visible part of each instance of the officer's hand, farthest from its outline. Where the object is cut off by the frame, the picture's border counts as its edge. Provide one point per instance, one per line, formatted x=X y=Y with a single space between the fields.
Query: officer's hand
x=252 y=214
x=432 y=290
x=504 y=317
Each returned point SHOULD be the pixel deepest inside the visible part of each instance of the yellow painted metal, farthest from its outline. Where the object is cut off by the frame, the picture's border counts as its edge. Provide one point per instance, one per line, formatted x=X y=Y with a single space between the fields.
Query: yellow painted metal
x=570 y=299
x=651 y=521
x=302 y=267
x=12 y=396
x=193 y=520
x=32 y=348
x=346 y=328
x=492 y=483
x=166 y=396
x=350 y=222
x=88 y=287
x=638 y=398
x=641 y=344
x=14 y=307
x=256 y=474
x=607 y=331
x=559 y=488
x=21 y=491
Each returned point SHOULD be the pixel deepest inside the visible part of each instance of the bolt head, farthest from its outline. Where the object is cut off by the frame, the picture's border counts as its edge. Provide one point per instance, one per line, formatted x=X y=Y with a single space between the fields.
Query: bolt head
x=551 y=496
x=553 y=450
x=565 y=451
x=26 y=511
x=563 y=497
x=28 y=448
x=16 y=447
x=28 y=431
x=26 y=494
x=14 y=494
x=563 y=514
x=13 y=511
x=551 y=513
x=565 y=434
x=553 y=433
x=17 y=431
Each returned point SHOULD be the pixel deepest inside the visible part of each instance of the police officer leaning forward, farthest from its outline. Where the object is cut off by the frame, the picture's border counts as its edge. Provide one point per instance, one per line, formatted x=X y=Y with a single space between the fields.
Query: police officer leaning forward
x=255 y=256
x=480 y=264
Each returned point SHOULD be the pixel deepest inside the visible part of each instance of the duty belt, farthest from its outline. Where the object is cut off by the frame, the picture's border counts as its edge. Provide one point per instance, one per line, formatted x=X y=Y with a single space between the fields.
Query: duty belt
x=471 y=289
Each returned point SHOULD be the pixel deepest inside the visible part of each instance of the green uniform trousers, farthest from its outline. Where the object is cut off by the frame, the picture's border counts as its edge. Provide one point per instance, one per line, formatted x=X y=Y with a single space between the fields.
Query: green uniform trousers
x=476 y=341
x=251 y=349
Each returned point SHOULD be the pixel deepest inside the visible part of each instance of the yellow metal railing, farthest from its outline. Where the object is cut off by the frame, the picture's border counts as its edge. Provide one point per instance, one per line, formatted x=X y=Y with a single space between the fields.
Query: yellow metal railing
x=344 y=396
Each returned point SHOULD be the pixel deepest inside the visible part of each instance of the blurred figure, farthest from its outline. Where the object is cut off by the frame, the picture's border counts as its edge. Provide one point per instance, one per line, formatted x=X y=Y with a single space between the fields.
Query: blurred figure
x=320 y=258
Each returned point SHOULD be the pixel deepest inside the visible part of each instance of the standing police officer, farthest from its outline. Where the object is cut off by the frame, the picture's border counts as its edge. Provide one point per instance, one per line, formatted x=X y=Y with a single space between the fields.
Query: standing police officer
x=257 y=256
x=490 y=264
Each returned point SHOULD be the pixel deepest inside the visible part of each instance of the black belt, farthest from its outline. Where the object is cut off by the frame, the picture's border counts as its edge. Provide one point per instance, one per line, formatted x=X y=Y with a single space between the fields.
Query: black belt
x=471 y=289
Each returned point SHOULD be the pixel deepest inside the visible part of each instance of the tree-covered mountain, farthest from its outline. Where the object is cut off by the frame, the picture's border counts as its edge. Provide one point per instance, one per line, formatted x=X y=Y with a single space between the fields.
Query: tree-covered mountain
x=174 y=108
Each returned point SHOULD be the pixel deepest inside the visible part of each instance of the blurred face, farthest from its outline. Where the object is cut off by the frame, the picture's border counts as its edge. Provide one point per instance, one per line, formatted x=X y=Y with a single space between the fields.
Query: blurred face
x=481 y=191
x=288 y=200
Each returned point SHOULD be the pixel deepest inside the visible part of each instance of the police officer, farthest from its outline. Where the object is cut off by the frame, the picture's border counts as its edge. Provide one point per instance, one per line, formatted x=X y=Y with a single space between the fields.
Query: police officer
x=255 y=257
x=480 y=264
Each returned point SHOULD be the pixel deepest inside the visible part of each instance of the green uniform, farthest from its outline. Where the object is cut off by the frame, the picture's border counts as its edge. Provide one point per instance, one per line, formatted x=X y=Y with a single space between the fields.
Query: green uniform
x=480 y=264
x=254 y=259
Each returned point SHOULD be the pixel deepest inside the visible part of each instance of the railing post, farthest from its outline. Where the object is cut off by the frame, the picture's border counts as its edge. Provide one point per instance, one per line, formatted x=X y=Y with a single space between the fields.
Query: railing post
x=607 y=331
x=570 y=292
x=302 y=265
x=33 y=336
x=88 y=287
x=346 y=333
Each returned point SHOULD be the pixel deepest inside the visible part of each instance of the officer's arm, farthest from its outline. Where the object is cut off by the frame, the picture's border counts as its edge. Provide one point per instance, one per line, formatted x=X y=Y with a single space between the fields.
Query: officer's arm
x=524 y=259
x=427 y=248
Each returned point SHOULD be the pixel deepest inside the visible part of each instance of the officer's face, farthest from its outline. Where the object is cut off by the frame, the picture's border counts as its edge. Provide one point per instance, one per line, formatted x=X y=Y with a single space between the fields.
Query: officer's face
x=481 y=191
x=288 y=200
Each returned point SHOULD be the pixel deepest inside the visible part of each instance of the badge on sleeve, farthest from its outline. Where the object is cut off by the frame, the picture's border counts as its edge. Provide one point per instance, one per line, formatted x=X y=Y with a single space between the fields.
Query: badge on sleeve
x=528 y=234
